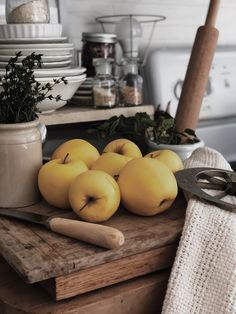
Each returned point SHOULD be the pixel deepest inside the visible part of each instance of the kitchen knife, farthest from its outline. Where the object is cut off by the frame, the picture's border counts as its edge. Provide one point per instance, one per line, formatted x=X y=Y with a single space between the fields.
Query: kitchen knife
x=97 y=234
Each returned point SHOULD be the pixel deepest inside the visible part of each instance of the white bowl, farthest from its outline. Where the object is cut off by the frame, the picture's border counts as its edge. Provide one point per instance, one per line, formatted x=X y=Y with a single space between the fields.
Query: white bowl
x=30 y=30
x=183 y=150
x=66 y=92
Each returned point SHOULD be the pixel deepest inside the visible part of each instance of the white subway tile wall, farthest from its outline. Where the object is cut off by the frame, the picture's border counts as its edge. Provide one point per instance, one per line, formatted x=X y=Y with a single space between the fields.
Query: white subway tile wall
x=183 y=19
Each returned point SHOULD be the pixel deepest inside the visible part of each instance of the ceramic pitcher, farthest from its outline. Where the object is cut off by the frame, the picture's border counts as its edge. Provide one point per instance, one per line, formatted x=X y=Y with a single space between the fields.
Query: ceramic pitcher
x=20 y=160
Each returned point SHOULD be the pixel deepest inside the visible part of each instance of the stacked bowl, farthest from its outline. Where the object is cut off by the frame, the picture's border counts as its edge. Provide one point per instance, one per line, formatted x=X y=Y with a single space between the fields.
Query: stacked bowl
x=57 y=57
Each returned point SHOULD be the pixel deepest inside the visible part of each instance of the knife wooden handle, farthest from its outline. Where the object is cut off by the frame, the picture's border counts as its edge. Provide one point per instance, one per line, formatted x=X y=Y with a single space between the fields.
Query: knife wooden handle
x=100 y=235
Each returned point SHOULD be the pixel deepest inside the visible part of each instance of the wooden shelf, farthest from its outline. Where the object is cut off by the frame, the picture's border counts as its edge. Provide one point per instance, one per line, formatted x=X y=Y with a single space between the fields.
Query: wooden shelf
x=72 y=114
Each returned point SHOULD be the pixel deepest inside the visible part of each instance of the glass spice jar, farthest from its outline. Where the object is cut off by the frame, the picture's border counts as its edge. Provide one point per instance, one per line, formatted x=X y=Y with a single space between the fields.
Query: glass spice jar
x=27 y=11
x=131 y=84
x=104 y=86
x=97 y=45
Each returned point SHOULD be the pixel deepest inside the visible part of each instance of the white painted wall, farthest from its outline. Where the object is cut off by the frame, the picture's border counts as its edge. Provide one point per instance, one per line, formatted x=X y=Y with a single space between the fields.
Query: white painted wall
x=183 y=18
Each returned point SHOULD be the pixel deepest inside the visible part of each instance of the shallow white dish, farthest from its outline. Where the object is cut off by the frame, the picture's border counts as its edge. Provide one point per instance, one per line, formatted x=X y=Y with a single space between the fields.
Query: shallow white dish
x=46 y=65
x=66 y=92
x=54 y=73
x=36 y=46
x=80 y=92
x=30 y=30
x=43 y=51
x=34 y=40
x=183 y=150
x=44 y=58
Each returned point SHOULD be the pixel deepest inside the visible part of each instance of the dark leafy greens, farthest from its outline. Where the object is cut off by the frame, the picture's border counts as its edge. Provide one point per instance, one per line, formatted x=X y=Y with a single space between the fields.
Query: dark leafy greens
x=161 y=129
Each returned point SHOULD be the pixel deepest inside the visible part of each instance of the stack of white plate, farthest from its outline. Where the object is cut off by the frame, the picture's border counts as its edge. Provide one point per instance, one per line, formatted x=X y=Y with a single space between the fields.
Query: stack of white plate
x=57 y=57
x=84 y=94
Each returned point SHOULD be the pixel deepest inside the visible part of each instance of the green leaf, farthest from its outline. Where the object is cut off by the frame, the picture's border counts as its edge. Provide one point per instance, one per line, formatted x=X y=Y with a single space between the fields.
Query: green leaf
x=21 y=92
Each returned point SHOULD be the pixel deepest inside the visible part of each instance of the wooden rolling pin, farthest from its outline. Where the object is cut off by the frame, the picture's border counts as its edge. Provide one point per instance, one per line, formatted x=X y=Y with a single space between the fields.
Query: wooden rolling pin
x=197 y=74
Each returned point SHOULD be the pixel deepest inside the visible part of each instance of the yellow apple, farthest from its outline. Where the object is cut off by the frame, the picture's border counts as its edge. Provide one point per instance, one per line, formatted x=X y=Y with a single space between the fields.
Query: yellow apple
x=124 y=147
x=56 y=176
x=147 y=186
x=111 y=163
x=169 y=158
x=77 y=149
x=94 y=196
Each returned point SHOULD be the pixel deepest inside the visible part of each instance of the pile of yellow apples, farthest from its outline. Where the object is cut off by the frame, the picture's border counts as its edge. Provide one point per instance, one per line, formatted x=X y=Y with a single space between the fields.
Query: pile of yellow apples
x=93 y=185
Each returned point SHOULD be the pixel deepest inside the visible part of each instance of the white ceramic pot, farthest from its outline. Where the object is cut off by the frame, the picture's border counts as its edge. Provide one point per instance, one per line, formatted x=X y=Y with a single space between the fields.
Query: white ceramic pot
x=21 y=158
x=183 y=150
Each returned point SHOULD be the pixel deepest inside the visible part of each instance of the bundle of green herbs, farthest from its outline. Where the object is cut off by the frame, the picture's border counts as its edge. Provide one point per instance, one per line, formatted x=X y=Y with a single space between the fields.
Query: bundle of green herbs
x=21 y=92
x=161 y=129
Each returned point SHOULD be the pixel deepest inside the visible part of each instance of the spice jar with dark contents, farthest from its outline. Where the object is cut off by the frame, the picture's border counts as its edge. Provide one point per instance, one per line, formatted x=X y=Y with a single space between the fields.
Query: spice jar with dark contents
x=97 y=45
x=104 y=86
x=131 y=84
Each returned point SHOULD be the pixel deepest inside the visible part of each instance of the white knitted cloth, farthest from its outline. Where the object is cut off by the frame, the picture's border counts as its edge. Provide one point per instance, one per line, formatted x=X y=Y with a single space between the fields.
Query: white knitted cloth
x=203 y=277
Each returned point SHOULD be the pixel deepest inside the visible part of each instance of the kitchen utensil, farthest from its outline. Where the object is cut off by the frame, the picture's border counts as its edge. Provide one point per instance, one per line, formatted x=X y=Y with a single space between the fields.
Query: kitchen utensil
x=100 y=235
x=196 y=78
x=194 y=180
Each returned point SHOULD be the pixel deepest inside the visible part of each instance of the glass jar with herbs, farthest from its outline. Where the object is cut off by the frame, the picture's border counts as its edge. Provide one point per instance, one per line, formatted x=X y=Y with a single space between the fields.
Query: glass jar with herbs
x=104 y=86
x=131 y=84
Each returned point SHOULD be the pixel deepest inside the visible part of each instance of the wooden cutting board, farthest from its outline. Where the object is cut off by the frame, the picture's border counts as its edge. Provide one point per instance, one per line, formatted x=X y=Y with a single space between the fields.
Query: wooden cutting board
x=137 y=296
x=68 y=267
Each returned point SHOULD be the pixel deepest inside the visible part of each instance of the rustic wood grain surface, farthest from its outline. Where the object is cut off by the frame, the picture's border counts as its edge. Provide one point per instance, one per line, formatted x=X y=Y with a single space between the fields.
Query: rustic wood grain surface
x=137 y=296
x=38 y=254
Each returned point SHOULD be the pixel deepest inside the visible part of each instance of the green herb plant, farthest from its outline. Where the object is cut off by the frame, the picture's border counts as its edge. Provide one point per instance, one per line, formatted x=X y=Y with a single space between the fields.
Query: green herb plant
x=161 y=129
x=164 y=131
x=135 y=126
x=21 y=92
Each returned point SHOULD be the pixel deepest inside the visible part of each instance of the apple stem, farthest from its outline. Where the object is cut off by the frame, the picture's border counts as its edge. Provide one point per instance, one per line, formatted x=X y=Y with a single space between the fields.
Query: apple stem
x=83 y=207
x=64 y=160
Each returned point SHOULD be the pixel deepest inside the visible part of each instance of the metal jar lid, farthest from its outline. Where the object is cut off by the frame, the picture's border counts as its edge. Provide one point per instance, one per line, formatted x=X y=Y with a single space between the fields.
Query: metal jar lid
x=99 y=38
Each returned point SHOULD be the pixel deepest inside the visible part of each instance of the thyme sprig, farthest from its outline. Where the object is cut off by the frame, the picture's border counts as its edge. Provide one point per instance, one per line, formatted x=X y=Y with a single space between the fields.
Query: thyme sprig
x=21 y=92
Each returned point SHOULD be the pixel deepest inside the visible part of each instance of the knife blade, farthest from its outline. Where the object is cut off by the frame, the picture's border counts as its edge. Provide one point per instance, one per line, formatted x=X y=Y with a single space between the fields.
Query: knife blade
x=104 y=236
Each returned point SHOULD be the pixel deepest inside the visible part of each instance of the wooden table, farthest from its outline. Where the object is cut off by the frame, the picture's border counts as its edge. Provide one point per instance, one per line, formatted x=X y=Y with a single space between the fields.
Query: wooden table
x=143 y=295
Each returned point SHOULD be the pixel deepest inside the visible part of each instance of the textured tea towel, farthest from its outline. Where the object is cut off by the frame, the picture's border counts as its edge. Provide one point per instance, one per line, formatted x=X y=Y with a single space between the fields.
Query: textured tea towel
x=203 y=277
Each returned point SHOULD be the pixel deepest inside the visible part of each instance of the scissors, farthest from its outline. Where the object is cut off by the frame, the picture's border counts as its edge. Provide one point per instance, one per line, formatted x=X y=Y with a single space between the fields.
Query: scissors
x=194 y=180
